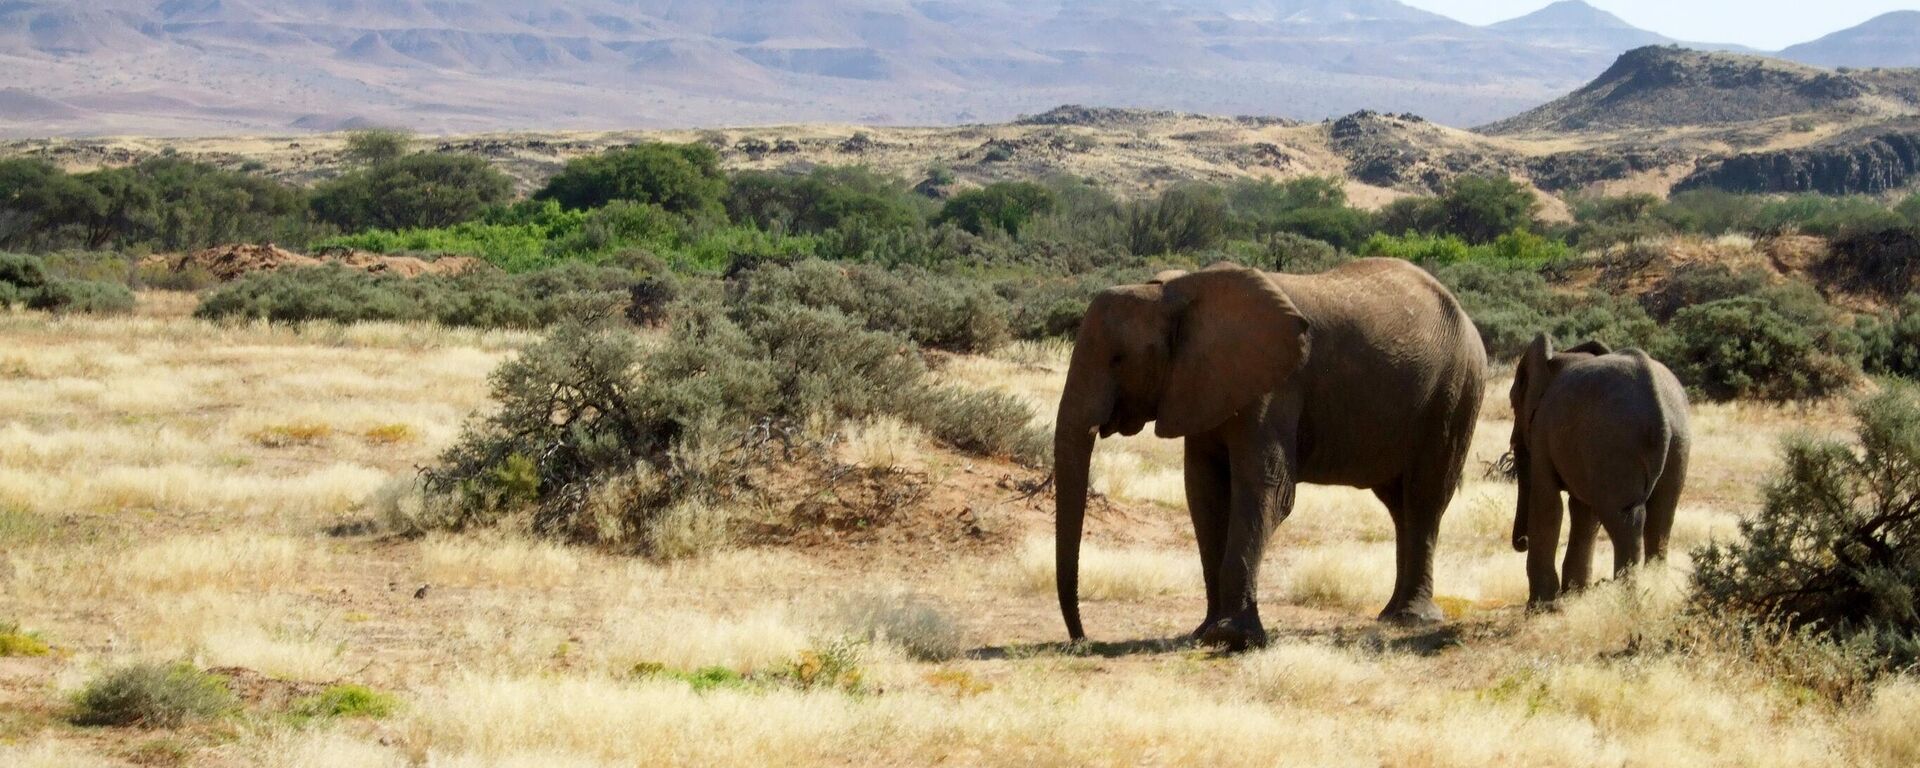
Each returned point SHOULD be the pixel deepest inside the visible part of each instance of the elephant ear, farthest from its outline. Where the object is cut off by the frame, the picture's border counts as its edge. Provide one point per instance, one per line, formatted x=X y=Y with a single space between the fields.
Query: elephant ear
x=1595 y=347
x=1531 y=381
x=1234 y=338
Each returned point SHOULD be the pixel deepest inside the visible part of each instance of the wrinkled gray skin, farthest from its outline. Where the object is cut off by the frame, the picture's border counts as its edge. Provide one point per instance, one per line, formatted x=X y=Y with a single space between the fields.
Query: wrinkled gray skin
x=1610 y=430
x=1368 y=376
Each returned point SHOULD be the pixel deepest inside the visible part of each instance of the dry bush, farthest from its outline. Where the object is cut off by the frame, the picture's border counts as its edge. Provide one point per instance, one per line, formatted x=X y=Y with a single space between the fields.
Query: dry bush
x=899 y=619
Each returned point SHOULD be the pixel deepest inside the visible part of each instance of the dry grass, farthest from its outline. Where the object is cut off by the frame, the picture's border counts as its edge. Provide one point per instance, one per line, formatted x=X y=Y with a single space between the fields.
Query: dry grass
x=1111 y=574
x=144 y=517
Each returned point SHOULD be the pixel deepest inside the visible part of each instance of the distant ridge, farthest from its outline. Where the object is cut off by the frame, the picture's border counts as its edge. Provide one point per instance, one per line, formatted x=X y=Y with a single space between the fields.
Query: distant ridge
x=1889 y=40
x=1574 y=23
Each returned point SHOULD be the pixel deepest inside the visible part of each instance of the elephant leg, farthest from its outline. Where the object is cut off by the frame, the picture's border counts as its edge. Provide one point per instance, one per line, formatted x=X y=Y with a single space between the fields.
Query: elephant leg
x=1416 y=522
x=1210 y=502
x=1543 y=536
x=1577 y=571
x=1664 y=500
x=1256 y=512
x=1626 y=528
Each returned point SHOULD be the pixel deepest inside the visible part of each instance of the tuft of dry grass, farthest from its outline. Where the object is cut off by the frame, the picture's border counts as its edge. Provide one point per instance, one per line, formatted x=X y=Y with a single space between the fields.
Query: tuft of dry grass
x=1111 y=574
x=1886 y=729
x=682 y=639
x=499 y=561
x=884 y=442
x=1342 y=577
x=222 y=561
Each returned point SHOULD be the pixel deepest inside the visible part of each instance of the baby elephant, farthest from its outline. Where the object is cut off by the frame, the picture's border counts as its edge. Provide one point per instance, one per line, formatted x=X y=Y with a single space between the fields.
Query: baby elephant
x=1610 y=430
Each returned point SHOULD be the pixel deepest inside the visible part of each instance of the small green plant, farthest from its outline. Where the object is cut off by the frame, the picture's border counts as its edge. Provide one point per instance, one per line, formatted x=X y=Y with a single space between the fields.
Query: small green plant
x=700 y=680
x=835 y=666
x=346 y=700
x=15 y=641
x=151 y=695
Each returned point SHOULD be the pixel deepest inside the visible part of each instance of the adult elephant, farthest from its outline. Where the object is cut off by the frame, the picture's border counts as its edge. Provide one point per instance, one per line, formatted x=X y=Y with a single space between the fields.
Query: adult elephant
x=1369 y=375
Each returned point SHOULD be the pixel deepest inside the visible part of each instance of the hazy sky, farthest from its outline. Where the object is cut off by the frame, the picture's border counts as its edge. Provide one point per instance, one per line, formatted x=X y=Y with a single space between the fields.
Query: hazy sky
x=1766 y=24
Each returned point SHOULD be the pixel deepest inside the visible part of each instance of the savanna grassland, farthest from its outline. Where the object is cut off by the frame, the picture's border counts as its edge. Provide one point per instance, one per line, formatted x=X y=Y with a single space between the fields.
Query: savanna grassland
x=178 y=489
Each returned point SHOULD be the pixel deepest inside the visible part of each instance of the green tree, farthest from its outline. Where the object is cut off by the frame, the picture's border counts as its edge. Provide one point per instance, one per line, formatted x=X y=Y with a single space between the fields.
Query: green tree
x=1006 y=206
x=1482 y=208
x=417 y=191
x=682 y=178
x=1183 y=219
x=824 y=199
x=378 y=145
x=1313 y=206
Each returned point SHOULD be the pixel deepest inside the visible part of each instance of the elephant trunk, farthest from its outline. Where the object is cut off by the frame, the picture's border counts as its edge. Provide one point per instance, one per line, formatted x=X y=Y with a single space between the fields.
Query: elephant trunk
x=1072 y=455
x=1523 y=475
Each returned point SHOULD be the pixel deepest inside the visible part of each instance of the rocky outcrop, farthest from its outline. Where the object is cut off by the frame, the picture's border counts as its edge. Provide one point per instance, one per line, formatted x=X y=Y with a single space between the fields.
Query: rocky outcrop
x=1407 y=153
x=1573 y=170
x=1871 y=165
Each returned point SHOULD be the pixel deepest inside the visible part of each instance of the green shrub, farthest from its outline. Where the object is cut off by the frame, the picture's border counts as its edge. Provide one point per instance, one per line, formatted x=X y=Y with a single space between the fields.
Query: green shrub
x=23 y=272
x=1892 y=343
x=1692 y=284
x=82 y=296
x=1510 y=307
x=1825 y=215
x=1836 y=546
x=421 y=191
x=346 y=700
x=1296 y=254
x=587 y=406
x=1909 y=209
x=477 y=299
x=943 y=312
x=1711 y=212
x=1749 y=348
x=153 y=696
x=683 y=179
x=1514 y=250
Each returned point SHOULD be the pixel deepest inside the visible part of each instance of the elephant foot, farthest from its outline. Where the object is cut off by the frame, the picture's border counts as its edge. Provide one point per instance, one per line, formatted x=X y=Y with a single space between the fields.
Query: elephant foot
x=1414 y=612
x=1535 y=607
x=1233 y=635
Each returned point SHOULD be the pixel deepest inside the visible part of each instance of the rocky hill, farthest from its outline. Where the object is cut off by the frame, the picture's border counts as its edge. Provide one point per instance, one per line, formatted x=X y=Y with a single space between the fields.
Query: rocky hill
x=1670 y=87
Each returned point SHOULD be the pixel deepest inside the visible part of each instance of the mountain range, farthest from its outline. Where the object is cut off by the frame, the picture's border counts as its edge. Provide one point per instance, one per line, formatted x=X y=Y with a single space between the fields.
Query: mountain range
x=169 y=67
